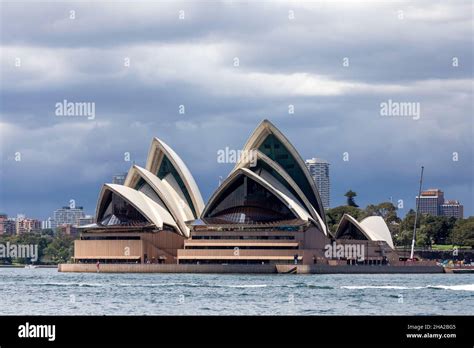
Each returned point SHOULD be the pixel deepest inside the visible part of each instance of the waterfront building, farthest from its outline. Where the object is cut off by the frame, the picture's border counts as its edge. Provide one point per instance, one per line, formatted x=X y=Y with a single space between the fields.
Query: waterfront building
x=3 y=219
x=26 y=225
x=267 y=211
x=429 y=202
x=319 y=171
x=68 y=215
x=452 y=208
x=432 y=202
x=9 y=226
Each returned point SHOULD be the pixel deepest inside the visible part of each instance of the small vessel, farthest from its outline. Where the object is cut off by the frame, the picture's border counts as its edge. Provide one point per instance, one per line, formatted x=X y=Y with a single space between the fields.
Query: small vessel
x=30 y=266
x=462 y=270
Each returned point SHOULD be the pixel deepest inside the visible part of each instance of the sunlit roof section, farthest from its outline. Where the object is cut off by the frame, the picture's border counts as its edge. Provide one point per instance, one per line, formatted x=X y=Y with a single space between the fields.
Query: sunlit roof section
x=162 y=161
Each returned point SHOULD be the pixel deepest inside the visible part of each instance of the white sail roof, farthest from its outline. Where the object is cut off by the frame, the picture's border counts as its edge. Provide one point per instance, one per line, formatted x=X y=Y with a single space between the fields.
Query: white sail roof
x=376 y=227
x=373 y=228
x=154 y=212
x=158 y=152
x=166 y=194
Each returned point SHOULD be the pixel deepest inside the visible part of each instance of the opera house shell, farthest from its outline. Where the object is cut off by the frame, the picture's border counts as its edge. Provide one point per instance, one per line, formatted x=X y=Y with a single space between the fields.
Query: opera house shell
x=267 y=211
x=371 y=228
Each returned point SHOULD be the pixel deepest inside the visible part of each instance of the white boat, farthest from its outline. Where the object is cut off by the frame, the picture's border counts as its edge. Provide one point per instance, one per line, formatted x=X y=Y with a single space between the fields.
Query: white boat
x=30 y=266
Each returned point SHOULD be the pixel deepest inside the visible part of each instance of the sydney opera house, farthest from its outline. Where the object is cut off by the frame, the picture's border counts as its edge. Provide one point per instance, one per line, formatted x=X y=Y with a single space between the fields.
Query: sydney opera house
x=267 y=211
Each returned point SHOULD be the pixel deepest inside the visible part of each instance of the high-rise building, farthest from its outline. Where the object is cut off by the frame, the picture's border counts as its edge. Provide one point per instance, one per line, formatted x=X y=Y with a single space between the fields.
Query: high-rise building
x=9 y=226
x=3 y=220
x=319 y=170
x=432 y=202
x=68 y=215
x=26 y=225
x=452 y=208
x=119 y=179
x=429 y=201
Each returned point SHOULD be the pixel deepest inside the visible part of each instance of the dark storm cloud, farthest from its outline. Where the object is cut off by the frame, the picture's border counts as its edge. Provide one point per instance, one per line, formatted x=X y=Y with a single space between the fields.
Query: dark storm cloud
x=190 y=62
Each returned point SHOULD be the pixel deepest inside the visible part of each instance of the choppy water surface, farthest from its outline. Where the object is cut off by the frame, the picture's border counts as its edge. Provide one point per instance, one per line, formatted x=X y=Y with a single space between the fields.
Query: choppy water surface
x=47 y=292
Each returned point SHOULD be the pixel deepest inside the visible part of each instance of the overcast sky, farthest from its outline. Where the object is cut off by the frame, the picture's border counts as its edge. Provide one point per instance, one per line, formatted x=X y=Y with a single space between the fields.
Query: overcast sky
x=289 y=53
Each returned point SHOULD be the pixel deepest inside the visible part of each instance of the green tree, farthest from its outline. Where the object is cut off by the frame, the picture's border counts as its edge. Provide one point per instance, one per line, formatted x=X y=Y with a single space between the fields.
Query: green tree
x=47 y=231
x=463 y=232
x=27 y=238
x=334 y=215
x=405 y=230
x=385 y=209
x=438 y=228
x=350 y=198
x=422 y=237
x=403 y=238
x=429 y=229
x=60 y=250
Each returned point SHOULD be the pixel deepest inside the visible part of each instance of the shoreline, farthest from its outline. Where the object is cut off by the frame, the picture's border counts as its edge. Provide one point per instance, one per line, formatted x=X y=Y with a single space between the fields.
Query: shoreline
x=23 y=266
x=249 y=269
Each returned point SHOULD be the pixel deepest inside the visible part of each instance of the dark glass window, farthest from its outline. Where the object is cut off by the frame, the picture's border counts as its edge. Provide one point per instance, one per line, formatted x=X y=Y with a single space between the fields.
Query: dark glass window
x=352 y=232
x=167 y=167
x=246 y=201
x=120 y=212
x=263 y=165
x=274 y=149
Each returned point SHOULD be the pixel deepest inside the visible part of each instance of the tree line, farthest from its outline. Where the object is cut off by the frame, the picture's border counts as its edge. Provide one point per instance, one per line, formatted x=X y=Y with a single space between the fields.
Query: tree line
x=53 y=247
x=431 y=230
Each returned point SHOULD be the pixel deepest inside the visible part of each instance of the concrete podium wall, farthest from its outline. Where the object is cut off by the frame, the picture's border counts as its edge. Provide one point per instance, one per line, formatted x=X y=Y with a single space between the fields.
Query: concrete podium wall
x=360 y=269
x=300 y=269
x=166 y=268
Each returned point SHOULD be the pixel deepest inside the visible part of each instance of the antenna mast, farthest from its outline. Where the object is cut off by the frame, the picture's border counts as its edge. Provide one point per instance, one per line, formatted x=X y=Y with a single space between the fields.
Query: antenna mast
x=416 y=216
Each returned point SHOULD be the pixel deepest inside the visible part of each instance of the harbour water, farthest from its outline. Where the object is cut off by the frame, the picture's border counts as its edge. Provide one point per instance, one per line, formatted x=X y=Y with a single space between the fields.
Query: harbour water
x=48 y=292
